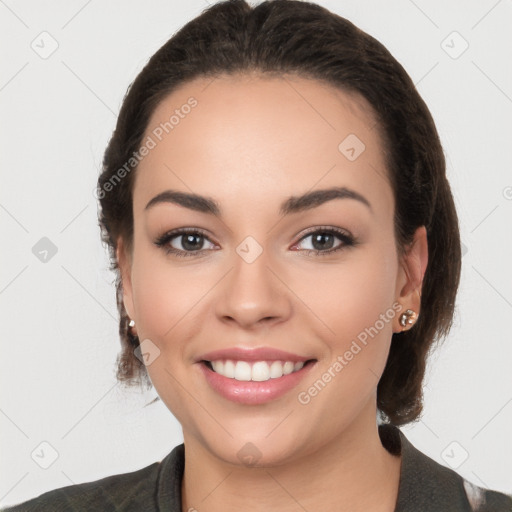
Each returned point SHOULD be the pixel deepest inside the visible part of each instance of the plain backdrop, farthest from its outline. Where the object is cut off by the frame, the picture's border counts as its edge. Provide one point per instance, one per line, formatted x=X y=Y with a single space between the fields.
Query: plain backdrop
x=59 y=320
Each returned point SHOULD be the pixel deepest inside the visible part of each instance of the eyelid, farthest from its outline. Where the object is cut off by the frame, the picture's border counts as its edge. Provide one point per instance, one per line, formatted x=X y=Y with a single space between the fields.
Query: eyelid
x=331 y=229
x=167 y=236
x=184 y=231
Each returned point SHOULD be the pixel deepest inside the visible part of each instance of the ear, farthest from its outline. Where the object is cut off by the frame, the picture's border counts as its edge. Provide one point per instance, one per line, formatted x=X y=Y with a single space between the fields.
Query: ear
x=124 y=260
x=413 y=264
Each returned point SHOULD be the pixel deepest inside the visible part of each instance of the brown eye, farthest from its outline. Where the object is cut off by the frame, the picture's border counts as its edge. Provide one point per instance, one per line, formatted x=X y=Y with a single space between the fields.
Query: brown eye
x=323 y=241
x=183 y=242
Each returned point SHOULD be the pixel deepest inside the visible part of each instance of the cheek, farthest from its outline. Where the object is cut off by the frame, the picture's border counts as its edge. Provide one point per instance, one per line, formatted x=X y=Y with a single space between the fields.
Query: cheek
x=156 y=298
x=164 y=295
x=166 y=300
x=355 y=300
x=350 y=295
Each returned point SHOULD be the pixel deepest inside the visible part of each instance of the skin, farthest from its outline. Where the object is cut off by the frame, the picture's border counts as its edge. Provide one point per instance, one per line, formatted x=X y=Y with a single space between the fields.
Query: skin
x=250 y=143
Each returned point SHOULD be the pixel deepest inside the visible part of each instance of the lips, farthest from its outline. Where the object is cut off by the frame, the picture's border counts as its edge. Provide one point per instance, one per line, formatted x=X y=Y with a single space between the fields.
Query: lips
x=253 y=376
x=252 y=354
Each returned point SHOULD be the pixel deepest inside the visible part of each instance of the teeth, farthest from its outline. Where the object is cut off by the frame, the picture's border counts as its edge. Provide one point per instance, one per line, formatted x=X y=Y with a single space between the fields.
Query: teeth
x=288 y=367
x=276 y=370
x=259 y=371
x=242 y=371
x=229 y=369
x=218 y=366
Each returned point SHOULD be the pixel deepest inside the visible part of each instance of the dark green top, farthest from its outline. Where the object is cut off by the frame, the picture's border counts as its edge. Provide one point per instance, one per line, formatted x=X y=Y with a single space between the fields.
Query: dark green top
x=425 y=486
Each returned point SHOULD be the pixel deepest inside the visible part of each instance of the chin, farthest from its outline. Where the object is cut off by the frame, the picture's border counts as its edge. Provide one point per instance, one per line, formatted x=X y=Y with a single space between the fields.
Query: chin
x=257 y=451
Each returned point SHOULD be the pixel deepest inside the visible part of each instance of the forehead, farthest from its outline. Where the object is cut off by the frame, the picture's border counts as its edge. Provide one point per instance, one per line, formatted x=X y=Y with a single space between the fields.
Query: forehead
x=242 y=135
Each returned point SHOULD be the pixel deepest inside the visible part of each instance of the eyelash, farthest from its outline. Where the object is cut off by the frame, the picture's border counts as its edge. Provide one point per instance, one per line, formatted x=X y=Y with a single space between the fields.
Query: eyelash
x=347 y=239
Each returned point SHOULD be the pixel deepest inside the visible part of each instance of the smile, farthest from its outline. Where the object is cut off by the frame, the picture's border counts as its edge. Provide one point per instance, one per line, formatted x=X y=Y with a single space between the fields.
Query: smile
x=254 y=382
x=256 y=371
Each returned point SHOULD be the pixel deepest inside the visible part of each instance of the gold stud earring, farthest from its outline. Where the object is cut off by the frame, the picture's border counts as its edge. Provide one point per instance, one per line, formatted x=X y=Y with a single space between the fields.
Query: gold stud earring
x=408 y=318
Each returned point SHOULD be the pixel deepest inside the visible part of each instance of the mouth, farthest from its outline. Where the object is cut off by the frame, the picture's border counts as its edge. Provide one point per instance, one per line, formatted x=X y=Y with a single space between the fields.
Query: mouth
x=255 y=371
x=254 y=382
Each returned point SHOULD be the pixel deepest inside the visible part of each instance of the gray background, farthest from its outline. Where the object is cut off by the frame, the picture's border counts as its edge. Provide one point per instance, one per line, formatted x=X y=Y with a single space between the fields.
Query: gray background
x=59 y=328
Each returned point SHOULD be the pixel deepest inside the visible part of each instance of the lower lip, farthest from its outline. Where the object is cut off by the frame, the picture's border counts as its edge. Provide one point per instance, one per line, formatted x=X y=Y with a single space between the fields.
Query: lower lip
x=250 y=392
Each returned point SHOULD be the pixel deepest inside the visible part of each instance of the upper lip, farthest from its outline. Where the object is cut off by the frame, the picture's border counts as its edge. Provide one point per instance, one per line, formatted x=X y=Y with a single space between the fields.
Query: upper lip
x=252 y=354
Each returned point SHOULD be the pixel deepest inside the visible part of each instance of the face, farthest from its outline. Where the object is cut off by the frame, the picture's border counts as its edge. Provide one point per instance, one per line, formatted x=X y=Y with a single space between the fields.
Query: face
x=320 y=279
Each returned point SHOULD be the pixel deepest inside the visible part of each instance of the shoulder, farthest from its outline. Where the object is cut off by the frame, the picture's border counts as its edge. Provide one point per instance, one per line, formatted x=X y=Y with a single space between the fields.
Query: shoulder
x=426 y=485
x=485 y=500
x=127 y=492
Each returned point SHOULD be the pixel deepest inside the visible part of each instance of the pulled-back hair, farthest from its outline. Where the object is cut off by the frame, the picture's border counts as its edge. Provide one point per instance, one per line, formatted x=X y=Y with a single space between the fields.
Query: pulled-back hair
x=294 y=37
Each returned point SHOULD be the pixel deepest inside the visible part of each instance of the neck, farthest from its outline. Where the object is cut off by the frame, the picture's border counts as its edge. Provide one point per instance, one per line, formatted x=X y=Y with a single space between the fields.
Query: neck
x=351 y=472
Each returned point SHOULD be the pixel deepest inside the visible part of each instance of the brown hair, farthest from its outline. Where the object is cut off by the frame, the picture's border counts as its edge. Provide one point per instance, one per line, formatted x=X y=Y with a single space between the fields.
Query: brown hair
x=305 y=39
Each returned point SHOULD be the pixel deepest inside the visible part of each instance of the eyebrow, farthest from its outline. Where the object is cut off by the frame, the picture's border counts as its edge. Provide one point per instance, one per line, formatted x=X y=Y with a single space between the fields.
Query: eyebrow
x=294 y=204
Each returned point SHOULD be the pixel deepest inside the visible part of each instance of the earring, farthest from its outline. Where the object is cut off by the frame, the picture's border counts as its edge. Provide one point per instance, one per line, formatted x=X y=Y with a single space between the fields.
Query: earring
x=408 y=318
x=131 y=324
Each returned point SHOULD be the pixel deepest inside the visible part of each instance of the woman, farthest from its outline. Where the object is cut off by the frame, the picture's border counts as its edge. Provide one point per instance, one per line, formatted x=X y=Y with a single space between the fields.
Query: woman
x=275 y=202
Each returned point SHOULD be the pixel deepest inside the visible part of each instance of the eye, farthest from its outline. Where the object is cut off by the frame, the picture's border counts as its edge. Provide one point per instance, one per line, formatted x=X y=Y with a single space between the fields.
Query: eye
x=191 y=241
x=183 y=242
x=323 y=239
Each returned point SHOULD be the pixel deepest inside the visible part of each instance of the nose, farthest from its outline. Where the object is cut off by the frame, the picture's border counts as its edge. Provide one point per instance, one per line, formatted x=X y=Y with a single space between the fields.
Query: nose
x=253 y=294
